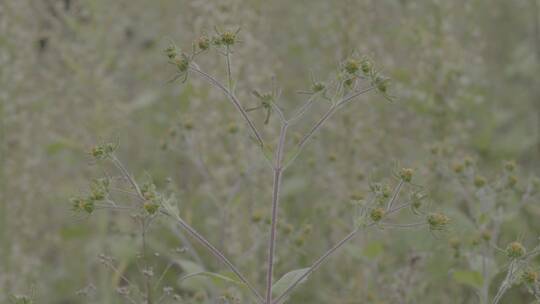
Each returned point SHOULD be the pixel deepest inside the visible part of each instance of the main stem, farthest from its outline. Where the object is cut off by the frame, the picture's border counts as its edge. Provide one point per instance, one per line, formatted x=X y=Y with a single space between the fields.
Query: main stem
x=278 y=171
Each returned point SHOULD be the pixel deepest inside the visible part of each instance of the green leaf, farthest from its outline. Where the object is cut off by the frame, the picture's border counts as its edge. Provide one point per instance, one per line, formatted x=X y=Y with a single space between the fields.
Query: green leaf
x=468 y=277
x=197 y=277
x=287 y=280
x=190 y=267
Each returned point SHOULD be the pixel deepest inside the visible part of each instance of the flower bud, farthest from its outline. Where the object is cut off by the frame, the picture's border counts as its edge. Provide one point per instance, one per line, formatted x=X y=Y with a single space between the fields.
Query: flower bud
x=437 y=221
x=377 y=214
x=515 y=250
x=406 y=174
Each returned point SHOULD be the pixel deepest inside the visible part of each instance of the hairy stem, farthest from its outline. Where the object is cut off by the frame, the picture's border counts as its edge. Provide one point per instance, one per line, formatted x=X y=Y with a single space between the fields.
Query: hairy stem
x=278 y=171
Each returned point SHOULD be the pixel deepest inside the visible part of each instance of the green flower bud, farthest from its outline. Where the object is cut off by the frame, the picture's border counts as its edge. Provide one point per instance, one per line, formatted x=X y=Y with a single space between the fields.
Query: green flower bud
x=437 y=221
x=351 y=66
x=377 y=214
x=406 y=174
x=203 y=43
x=479 y=181
x=515 y=250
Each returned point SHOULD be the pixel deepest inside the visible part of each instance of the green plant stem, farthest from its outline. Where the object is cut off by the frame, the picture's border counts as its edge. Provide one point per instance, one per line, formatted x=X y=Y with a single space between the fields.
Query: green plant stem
x=278 y=171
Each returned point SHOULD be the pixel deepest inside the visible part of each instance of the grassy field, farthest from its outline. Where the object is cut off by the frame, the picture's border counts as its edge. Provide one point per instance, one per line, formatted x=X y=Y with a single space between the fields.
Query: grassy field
x=249 y=151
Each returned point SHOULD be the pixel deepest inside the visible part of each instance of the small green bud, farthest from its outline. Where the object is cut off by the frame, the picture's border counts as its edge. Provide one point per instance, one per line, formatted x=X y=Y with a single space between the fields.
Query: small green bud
x=171 y=52
x=377 y=214
x=512 y=181
x=381 y=83
x=150 y=207
x=83 y=204
x=228 y=38
x=437 y=221
x=257 y=216
x=406 y=174
x=351 y=66
x=182 y=63
x=529 y=277
x=103 y=151
x=318 y=87
x=479 y=181
x=458 y=167
x=515 y=250
x=510 y=165
x=485 y=235
x=203 y=43
x=366 y=66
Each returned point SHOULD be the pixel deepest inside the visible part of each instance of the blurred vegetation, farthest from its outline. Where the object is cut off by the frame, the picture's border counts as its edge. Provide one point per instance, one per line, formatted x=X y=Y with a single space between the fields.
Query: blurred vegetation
x=75 y=73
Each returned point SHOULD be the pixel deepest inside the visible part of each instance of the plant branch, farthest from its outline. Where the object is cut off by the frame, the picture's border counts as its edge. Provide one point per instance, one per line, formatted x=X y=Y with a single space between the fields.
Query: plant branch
x=217 y=254
x=232 y=98
x=323 y=119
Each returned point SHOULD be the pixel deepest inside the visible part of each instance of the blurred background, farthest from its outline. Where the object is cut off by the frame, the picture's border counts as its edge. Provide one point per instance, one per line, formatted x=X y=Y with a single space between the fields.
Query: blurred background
x=76 y=73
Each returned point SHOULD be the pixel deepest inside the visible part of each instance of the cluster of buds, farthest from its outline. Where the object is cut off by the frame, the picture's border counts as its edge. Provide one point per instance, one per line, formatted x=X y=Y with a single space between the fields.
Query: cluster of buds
x=226 y=38
x=83 y=204
x=152 y=198
x=437 y=221
x=99 y=189
x=103 y=151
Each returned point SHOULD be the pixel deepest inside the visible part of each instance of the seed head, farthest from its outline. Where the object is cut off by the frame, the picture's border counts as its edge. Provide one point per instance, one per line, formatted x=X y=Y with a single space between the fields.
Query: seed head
x=515 y=250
